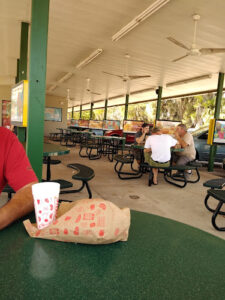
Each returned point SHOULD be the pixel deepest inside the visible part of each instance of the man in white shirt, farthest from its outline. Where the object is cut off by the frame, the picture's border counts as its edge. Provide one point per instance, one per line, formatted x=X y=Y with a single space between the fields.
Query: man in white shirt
x=160 y=147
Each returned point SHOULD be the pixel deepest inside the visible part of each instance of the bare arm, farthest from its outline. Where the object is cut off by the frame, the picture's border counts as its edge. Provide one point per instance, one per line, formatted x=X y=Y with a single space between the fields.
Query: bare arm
x=181 y=141
x=20 y=205
x=141 y=139
x=147 y=150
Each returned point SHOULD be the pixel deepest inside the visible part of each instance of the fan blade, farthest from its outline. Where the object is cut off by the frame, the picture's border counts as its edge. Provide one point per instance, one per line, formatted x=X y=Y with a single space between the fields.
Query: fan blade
x=171 y=39
x=120 y=76
x=94 y=93
x=138 y=76
x=206 y=51
x=180 y=58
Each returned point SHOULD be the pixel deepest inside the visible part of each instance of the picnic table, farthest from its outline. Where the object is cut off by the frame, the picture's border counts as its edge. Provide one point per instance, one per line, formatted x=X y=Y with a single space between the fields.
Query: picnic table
x=163 y=259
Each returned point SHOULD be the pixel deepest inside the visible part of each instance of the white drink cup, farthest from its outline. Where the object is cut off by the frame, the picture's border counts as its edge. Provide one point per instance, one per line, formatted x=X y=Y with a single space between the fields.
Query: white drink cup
x=46 y=197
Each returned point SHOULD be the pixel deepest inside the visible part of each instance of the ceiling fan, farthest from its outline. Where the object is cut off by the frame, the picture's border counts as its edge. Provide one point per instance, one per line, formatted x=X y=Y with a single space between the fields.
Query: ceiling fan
x=68 y=96
x=194 y=50
x=126 y=77
x=88 y=88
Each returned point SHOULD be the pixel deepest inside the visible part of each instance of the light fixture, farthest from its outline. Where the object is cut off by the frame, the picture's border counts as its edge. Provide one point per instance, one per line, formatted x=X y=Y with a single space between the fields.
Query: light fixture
x=52 y=88
x=87 y=60
x=189 y=80
x=65 y=77
x=68 y=75
x=154 y=7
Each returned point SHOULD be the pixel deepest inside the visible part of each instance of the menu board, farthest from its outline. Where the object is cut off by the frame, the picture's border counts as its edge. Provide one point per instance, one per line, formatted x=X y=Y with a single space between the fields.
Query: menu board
x=74 y=123
x=167 y=127
x=132 y=126
x=95 y=124
x=83 y=123
x=53 y=114
x=111 y=125
x=219 y=132
x=19 y=102
x=6 y=112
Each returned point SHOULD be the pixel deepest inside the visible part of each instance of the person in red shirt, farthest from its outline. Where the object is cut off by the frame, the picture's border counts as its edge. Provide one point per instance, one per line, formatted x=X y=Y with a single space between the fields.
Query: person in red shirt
x=16 y=171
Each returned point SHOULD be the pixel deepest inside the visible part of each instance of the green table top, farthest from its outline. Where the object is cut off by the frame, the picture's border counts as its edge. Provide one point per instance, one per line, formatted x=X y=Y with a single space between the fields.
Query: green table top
x=142 y=148
x=108 y=137
x=162 y=259
x=54 y=150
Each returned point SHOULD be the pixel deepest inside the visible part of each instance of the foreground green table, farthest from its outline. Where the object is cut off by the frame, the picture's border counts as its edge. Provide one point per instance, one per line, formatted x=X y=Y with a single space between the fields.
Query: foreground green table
x=162 y=259
x=54 y=150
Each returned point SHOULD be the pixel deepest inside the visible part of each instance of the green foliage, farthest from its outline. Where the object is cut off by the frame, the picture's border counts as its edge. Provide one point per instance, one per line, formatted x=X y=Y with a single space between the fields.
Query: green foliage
x=194 y=111
x=116 y=113
x=98 y=114
x=86 y=114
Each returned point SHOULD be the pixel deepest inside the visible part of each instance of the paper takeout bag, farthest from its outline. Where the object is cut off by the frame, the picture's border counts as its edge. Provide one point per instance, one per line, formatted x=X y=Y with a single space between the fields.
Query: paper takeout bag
x=87 y=221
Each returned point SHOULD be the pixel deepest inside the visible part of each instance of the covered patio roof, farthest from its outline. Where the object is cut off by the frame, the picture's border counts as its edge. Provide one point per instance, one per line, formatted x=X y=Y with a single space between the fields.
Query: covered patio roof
x=78 y=28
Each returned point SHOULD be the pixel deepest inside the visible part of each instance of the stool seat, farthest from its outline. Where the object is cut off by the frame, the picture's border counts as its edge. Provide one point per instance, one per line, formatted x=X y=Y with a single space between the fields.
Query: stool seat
x=84 y=173
x=52 y=161
x=64 y=184
x=124 y=159
x=217 y=194
x=218 y=183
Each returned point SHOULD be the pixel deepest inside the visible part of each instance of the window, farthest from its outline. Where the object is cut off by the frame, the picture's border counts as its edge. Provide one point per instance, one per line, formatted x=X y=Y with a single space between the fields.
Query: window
x=98 y=114
x=69 y=113
x=86 y=114
x=142 y=111
x=115 y=112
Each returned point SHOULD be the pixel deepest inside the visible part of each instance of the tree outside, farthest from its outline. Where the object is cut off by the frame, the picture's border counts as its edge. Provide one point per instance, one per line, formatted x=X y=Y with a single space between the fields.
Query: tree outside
x=194 y=111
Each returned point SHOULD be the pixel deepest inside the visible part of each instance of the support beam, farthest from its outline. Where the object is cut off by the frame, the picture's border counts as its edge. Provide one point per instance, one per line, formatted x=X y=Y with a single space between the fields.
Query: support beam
x=126 y=107
x=73 y=112
x=158 y=109
x=22 y=69
x=81 y=111
x=37 y=83
x=219 y=96
x=106 y=108
x=91 y=111
x=17 y=70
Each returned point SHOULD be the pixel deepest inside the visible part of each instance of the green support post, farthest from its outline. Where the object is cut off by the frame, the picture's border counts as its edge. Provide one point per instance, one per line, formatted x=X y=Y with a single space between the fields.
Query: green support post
x=91 y=111
x=219 y=96
x=37 y=83
x=158 y=109
x=80 y=111
x=17 y=70
x=22 y=69
x=126 y=107
x=73 y=112
x=106 y=108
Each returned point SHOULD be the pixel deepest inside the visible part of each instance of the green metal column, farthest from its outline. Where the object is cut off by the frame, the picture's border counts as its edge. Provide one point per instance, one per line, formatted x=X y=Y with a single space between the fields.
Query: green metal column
x=73 y=112
x=37 y=83
x=91 y=111
x=126 y=107
x=22 y=69
x=106 y=108
x=17 y=70
x=80 y=111
x=219 y=96
x=158 y=109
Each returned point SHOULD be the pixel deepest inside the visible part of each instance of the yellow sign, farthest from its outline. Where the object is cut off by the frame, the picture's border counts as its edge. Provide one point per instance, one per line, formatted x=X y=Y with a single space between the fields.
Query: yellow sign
x=19 y=104
x=211 y=131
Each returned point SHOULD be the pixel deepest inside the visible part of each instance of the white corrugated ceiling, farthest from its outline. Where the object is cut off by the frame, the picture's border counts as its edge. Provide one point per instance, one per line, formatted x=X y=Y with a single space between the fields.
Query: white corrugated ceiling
x=77 y=28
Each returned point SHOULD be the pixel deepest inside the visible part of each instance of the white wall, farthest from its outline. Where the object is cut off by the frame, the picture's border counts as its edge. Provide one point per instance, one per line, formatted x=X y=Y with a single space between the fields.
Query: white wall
x=5 y=94
x=53 y=101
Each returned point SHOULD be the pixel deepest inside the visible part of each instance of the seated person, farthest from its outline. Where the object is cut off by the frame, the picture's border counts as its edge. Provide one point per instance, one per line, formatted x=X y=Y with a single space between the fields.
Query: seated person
x=16 y=171
x=160 y=147
x=140 y=138
x=186 y=141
